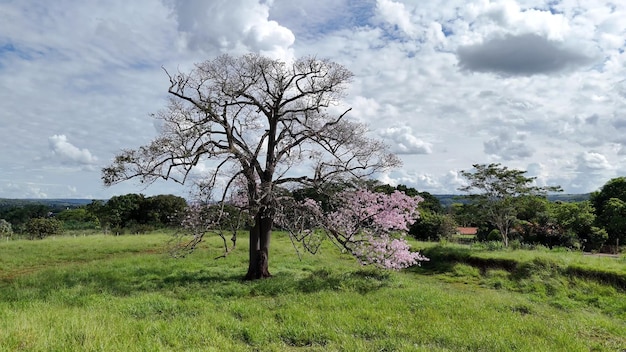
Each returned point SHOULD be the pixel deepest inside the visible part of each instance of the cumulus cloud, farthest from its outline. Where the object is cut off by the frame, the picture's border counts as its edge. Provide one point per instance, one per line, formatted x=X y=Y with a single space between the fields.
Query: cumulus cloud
x=404 y=142
x=445 y=183
x=590 y=171
x=232 y=26
x=452 y=180
x=396 y=14
x=593 y=162
x=22 y=190
x=420 y=181
x=69 y=153
x=365 y=108
x=519 y=55
x=509 y=147
x=541 y=174
x=508 y=15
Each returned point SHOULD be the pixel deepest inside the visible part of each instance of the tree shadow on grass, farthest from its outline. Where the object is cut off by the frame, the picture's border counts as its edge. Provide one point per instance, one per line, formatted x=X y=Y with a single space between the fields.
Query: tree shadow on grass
x=72 y=287
x=443 y=260
x=361 y=281
x=231 y=283
x=50 y=284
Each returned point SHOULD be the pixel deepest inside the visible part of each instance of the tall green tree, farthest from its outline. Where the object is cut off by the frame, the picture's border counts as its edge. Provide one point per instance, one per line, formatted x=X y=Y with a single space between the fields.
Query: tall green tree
x=465 y=215
x=577 y=220
x=78 y=218
x=496 y=189
x=124 y=210
x=610 y=205
x=162 y=210
x=428 y=202
x=431 y=226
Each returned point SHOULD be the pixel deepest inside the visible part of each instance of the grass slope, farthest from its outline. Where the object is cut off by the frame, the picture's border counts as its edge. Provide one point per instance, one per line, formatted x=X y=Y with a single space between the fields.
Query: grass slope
x=105 y=293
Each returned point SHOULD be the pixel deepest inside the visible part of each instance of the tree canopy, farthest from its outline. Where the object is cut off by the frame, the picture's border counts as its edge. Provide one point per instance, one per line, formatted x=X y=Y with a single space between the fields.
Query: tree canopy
x=610 y=205
x=495 y=189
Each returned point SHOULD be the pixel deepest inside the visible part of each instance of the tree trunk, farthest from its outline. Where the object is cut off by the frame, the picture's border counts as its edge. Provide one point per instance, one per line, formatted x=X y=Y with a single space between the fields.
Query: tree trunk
x=260 y=235
x=505 y=236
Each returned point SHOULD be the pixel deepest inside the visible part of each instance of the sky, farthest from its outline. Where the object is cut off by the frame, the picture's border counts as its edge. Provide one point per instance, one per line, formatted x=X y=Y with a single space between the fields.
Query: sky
x=534 y=85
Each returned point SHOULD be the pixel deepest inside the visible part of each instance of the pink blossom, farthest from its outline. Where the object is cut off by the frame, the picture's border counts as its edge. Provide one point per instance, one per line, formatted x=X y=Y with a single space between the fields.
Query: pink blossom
x=371 y=226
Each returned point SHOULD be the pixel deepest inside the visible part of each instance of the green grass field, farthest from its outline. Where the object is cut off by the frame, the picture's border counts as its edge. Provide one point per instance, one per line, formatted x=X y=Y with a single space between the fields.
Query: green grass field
x=107 y=293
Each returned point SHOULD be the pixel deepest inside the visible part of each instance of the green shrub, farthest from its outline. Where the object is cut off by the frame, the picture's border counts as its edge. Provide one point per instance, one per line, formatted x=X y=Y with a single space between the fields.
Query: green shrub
x=41 y=227
x=494 y=245
x=494 y=235
x=515 y=244
x=478 y=246
x=5 y=228
x=595 y=239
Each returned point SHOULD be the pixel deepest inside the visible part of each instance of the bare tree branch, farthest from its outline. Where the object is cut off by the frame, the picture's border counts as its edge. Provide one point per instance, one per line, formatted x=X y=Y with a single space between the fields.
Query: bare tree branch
x=258 y=118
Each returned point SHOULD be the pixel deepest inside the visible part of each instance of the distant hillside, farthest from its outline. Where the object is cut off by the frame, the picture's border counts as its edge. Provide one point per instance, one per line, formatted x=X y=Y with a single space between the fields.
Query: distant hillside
x=55 y=203
x=445 y=199
x=569 y=197
x=448 y=199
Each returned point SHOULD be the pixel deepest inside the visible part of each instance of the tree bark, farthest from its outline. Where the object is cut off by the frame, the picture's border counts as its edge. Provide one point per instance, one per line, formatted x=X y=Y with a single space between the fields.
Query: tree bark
x=260 y=235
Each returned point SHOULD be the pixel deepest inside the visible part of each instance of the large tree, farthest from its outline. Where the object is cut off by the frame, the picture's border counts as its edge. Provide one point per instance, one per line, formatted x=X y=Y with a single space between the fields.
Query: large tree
x=496 y=189
x=610 y=205
x=256 y=118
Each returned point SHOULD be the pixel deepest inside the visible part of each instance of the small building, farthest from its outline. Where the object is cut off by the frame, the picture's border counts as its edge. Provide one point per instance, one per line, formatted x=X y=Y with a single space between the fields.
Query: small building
x=467 y=230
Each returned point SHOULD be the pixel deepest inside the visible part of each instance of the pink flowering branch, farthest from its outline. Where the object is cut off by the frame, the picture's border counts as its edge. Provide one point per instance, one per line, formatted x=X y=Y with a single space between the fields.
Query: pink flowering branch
x=371 y=226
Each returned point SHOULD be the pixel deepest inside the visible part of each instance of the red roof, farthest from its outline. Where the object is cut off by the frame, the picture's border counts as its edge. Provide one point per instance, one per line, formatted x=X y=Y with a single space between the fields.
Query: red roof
x=467 y=230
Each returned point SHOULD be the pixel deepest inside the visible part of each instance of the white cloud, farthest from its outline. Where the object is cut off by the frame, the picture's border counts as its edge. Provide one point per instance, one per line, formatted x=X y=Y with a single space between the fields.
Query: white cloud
x=452 y=180
x=508 y=147
x=67 y=152
x=445 y=183
x=509 y=15
x=591 y=161
x=22 y=190
x=396 y=14
x=364 y=108
x=404 y=142
x=584 y=172
x=238 y=26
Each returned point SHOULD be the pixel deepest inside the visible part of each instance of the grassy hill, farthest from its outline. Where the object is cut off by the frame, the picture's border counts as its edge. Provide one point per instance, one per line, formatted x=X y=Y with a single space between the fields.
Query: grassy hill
x=125 y=293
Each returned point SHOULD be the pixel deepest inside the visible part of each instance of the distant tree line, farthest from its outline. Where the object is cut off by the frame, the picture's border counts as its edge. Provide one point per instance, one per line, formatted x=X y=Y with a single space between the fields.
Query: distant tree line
x=130 y=213
x=15 y=218
x=135 y=213
x=596 y=224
